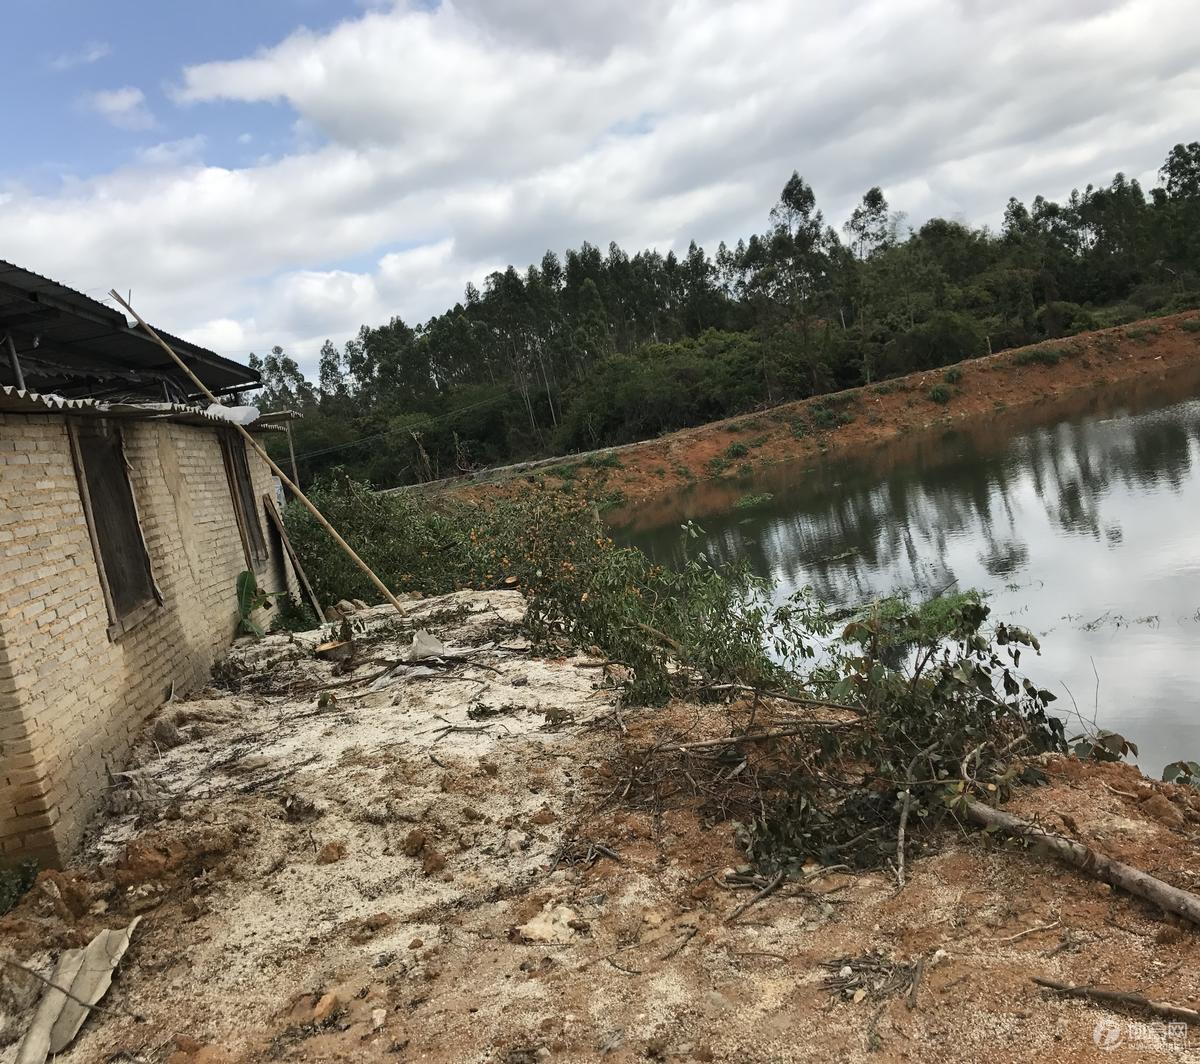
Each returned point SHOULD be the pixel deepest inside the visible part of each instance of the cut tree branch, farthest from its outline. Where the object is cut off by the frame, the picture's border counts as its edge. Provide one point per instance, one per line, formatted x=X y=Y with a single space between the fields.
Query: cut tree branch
x=1126 y=877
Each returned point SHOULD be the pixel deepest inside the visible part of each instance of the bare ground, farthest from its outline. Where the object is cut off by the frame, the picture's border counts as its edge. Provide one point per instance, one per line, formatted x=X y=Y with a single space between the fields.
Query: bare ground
x=460 y=863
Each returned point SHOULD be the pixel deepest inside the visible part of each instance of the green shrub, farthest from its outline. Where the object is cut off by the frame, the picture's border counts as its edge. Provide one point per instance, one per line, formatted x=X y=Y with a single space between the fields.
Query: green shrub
x=1143 y=332
x=940 y=394
x=828 y=414
x=294 y=616
x=607 y=460
x=753 y=502
x=1191 y=325
x=1037 y=356
x=582 y=588
x=737 y=449
x=952 y=375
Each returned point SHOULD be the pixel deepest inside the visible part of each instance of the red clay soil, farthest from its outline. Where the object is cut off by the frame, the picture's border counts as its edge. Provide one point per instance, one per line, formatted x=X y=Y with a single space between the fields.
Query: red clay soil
x=978 y=390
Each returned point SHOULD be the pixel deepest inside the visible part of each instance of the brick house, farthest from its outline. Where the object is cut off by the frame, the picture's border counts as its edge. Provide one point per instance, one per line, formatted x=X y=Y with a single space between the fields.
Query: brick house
x=127 y=512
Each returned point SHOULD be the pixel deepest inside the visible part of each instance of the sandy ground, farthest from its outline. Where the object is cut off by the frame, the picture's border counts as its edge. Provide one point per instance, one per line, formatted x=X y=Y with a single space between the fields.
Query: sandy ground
x=455 y=861
x=986 y=389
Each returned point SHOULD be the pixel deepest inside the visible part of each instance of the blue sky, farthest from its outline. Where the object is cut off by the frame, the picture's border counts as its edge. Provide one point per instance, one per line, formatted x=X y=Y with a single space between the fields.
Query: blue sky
x=282 y=171
x=72 y=49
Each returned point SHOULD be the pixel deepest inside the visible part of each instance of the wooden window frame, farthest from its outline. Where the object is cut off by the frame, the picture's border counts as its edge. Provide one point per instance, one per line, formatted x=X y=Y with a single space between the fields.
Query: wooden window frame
x=118 y=625
x=257 y=554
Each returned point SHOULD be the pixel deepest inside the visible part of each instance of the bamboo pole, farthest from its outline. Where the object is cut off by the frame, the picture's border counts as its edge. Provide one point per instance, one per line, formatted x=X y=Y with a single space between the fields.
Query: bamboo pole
x=349 y=550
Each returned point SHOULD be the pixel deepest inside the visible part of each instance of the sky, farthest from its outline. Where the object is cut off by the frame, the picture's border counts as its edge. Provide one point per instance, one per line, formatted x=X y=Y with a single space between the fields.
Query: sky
x=281 y=171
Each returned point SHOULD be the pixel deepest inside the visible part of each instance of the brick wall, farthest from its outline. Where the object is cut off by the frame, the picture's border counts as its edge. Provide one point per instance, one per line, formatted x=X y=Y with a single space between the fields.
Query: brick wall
x=72 y=699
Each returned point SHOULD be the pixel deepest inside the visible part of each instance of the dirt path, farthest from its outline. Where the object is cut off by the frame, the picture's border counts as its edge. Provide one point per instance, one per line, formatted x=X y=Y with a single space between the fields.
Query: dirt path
x=862 y=418
x=460 y=861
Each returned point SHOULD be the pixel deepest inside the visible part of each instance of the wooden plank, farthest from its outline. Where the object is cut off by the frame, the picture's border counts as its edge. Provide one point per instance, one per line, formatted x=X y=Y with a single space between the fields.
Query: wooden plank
x=275 y=519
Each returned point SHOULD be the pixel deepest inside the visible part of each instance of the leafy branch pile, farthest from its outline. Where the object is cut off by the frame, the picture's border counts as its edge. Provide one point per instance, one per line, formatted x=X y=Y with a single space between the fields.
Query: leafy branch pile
x=912 y=710
x=583 y=589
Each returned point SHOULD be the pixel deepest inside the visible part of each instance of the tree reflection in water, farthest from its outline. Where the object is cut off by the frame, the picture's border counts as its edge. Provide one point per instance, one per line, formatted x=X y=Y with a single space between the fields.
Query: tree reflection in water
x=1090 y=517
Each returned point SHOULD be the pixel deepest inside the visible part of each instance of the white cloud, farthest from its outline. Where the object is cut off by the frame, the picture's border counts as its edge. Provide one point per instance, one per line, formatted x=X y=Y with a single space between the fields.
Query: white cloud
x=481 y=132
x=91 y=52
x=124 y=108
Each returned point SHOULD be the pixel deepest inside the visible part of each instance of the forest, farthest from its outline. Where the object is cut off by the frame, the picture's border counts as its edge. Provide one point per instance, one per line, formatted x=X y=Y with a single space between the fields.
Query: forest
x=596 y=348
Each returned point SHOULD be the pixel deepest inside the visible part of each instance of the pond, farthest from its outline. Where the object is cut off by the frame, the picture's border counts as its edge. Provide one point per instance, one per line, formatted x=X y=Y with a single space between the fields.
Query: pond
x=1080 y=519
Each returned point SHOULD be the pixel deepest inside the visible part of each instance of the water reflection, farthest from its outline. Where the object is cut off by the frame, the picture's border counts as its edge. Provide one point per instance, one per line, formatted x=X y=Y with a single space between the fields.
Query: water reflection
x=1081 y=525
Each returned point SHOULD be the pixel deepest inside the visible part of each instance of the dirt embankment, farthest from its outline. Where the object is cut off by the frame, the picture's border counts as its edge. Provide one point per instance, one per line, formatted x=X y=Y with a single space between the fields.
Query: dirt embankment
x=477 y=857
x=968 y=392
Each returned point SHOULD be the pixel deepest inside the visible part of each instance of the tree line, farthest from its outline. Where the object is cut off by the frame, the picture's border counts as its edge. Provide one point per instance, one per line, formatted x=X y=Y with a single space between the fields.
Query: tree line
x=600 y=347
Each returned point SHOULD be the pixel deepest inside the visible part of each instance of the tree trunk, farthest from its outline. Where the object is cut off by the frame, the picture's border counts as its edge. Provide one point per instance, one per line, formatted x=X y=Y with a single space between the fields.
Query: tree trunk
x=1126 y=877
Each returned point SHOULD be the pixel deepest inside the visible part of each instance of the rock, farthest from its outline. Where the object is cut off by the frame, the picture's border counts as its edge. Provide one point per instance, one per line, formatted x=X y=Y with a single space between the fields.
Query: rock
x=377 y=922
x=166 y=733
x=325 y=1008
x=432 y=862
x=378 y=1016
x=416 y=943
x=331 y=614
x=550 y=925
x=543 y=816
x=345 y=607
x=1161 y=808
x=331 y=853
x=360 y=605
x=490 y=767
x=414 y=842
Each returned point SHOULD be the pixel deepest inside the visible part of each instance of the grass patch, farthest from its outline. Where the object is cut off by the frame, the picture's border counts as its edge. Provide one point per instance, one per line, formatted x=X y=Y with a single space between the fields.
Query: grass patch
x=753 y=502
x=828 y=414
x=1141 y=333
x=1037 y=356
x=1191 y=325
x=607 y=460
x=952 y=375
x=736 y=449
x=940 y=394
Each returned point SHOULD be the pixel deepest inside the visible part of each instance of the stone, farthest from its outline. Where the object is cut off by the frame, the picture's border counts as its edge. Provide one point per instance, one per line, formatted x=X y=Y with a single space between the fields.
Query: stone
x=1161 y=808
x=331 y=853
x=325 y=1008
x=166 y=733
x=432 y=862
x=414 y=842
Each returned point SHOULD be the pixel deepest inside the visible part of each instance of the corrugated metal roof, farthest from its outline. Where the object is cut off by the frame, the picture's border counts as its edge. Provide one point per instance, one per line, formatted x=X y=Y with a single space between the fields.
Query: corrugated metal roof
x=82 y=336
x=14 y=401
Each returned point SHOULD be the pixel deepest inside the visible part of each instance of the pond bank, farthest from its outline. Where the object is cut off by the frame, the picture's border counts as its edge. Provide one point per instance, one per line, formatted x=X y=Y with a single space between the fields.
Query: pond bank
x=864 y=418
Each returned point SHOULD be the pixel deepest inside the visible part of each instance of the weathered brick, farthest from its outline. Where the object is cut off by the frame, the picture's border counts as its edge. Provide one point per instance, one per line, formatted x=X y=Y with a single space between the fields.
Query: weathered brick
x=71 y=699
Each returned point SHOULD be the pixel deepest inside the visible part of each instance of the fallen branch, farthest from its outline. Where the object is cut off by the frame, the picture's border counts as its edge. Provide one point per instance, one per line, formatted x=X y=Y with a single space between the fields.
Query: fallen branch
x=1025 y=934
x=750 y=737
x=1120 y=997
x=908 y=779
x=110 y=1010
x=796 y=699
x=770 y=888
x=1118 y=874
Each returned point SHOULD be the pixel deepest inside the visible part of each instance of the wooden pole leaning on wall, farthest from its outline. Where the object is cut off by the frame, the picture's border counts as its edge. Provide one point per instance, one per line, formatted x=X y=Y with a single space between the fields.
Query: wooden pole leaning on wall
x=349 y=550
